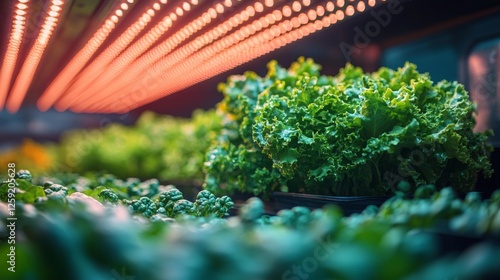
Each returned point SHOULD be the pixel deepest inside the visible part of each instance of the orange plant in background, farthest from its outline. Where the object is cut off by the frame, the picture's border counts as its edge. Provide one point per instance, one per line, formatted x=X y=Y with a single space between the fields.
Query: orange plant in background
x=29 y=155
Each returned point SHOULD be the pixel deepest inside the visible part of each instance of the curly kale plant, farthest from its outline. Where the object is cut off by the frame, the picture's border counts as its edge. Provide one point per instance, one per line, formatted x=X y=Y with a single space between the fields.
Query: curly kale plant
x=352 y=134
x=235 y=161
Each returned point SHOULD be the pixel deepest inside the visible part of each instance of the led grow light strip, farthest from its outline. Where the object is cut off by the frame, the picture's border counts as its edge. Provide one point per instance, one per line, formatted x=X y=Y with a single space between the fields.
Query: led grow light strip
x=129 y=78
x=23 y=80
x=64 y=78
x=143 y=63
x=81 y=94
x=218 y=46
x=154 y=75
x=91 y=73
x=163 y=66
x=12 y=52
x=225 y=61
x=208 y=58
x=229 y=61
x=210 y=53
x=239 y=54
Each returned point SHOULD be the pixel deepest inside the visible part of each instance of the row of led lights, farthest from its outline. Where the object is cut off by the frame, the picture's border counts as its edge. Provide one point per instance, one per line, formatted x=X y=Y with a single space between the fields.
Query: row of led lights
x=192 y=51
x=128 y=71
x=124 y=62
x=129 y=75
x=109 y=94
x=98 y=69
x=14 y=44
x=248 y=50
x=220 y=58
x=77 y=92
x=97 y=93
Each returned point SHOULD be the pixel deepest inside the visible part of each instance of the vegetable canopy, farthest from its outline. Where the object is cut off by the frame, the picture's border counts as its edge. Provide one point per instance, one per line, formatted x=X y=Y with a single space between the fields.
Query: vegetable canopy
x=352 y=134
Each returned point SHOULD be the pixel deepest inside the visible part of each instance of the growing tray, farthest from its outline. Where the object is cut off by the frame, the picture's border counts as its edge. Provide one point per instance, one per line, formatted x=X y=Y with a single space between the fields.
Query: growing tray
x=348 y=204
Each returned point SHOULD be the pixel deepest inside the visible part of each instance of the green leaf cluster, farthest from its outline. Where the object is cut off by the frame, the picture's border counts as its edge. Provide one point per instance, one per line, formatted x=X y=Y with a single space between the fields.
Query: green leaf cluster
x=171 y=203
x=235 y=161
x=147 y=198
x=156 y=146
x=403 y=239
x=354 y=133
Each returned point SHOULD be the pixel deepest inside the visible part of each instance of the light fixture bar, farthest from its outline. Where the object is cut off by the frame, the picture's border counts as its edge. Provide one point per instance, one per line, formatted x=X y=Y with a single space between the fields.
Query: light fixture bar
x=129 y=55
x=124 y=61
x=134 y=77
x=23 y=80
x=130 y=74
x=146 y=63
x=210 y=62
x=95 y=69
x=11 y=54
x=58 y=86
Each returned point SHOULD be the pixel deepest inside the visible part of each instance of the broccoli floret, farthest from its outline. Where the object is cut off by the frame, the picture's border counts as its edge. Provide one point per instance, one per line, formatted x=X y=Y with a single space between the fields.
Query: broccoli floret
x=167 y=199
x=143 y=205
x=23 y=174
x=222 y=206
x=55 y=191
x=108 y=195
x=170 y=195
x=182 y=207
x=205 y=203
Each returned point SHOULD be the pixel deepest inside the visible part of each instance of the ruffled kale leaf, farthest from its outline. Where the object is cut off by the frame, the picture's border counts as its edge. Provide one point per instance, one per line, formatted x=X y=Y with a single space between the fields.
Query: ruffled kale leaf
x=353 y=134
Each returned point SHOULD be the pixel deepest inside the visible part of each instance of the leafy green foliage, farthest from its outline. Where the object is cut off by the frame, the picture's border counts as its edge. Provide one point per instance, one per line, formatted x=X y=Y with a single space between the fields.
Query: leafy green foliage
x=165 y=147
x=23 y=174
x=235 y=161
x=24 y=190
x=352 y=134
x=147 y=198
x=171 y=203
x=108 y=195
x=390 y=242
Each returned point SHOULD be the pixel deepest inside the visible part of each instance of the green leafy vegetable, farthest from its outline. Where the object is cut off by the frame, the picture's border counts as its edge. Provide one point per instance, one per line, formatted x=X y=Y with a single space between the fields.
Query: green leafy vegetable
x=352 y=134
x=108 y=195
x=23 y=174
x=147 y=198
x=166 y=147
x=403 y=239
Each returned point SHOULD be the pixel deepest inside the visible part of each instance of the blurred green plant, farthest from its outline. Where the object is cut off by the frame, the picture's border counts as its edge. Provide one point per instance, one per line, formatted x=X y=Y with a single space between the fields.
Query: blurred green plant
x=399 y=240
x=164 y=147
x=145 y=199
